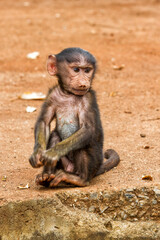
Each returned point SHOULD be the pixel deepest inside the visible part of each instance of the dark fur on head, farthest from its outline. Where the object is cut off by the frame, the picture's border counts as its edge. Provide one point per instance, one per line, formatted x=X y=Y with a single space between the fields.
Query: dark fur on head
x=73 y=55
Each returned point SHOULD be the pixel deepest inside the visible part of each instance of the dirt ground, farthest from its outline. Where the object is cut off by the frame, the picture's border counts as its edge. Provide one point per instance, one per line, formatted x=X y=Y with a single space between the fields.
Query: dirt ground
x=118 y=33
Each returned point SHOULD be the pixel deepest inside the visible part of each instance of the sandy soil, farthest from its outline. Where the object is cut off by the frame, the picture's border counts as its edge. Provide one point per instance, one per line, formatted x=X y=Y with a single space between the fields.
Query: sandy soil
x=117 y=33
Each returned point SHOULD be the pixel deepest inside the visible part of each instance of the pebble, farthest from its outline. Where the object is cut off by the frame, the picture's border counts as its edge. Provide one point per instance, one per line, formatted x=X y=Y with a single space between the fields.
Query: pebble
x=142 y=203
x=91 y=209
x=106 y=195
x=129 y=196
x=94 y=196
x=130 y=190
x=123 y=215
x=154 y=202
x=157 y=192
x=142 y=196
x=103 y=209
x=143 y=135
x=146 y=147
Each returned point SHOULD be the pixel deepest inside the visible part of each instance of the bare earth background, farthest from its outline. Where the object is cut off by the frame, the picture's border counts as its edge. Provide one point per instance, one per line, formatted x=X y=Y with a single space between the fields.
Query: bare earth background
x=116 y=32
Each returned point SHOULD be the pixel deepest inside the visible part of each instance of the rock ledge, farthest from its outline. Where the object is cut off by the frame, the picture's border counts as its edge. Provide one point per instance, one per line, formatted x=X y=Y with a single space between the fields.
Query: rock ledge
x=125 y=214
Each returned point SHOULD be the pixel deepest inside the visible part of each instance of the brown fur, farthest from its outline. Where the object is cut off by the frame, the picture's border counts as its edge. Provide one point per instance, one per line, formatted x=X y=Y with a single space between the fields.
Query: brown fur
x=73 y=151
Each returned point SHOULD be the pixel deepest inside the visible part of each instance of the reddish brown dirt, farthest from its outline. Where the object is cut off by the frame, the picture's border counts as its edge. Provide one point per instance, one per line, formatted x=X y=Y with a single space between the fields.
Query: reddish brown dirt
x=129 y=99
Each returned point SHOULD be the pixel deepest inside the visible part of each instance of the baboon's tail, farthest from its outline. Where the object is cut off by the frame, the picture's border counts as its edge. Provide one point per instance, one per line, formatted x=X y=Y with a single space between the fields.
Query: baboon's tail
x=112 y=161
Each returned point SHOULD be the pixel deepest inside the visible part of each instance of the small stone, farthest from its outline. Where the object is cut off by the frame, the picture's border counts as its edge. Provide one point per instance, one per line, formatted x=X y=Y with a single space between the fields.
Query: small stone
x=142 y=203
x=143 y=135
x=128 y=112
x=147 y=177
x=108 y=226
x=120 y=67
x=91 y=209
x=157 y=192
x=85 y=198
x=93 y=196
x=130 y=190
x=106 y=195
x=123 y=215
x=4 y=178
x=30 y=109
x=142 y=196
x=129 y=196
x=154 y=202
x=33 y=55
x=146 y=147
x=103 y=209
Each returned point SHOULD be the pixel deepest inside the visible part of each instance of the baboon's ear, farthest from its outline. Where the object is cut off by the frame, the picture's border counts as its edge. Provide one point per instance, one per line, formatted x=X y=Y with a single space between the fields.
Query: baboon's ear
x=52 y=65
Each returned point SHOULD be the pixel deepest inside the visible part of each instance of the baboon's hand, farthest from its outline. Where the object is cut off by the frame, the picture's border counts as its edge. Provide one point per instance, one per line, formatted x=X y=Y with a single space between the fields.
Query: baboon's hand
x=36 y=159
x=50 y=157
